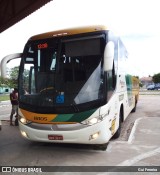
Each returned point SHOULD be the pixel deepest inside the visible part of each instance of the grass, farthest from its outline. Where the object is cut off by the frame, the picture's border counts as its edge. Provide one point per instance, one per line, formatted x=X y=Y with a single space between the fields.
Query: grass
x=4 y=97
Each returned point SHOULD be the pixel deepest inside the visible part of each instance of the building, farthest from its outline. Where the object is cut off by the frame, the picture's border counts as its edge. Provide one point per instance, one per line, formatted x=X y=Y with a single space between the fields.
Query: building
x=5 y=90
x=146 y=81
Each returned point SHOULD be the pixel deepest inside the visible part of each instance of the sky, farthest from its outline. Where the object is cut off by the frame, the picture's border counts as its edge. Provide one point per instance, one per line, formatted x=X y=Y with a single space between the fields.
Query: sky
x=135 y=21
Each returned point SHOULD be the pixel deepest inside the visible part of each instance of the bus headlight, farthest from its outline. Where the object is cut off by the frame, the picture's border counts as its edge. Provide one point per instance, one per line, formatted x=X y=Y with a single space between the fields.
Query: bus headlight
x=92 y=121
x=94 y=136
x=24 y=134
x=23 y=120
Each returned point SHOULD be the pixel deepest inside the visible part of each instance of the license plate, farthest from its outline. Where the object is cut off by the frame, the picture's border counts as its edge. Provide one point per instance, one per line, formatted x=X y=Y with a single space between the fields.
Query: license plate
x=55 y=137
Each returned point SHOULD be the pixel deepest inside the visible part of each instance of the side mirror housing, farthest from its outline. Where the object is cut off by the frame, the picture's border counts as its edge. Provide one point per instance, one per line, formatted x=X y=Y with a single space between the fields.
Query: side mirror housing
x=4 y=62
x=108 y=56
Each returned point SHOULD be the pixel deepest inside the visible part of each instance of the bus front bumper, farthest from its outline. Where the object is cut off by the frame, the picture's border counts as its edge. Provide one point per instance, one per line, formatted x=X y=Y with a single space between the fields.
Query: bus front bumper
x=96 y=134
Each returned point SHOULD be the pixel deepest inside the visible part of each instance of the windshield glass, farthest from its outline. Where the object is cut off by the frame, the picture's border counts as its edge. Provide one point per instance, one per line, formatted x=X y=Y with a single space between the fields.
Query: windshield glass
x=66 y=73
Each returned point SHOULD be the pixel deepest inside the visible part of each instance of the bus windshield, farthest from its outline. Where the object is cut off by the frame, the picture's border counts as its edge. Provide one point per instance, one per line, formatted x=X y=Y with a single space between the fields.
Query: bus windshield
x=62 y=74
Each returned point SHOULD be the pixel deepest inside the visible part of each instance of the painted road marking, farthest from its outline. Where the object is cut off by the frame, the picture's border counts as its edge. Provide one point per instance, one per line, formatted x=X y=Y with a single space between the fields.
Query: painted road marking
x=142 y=156
x=132 y=134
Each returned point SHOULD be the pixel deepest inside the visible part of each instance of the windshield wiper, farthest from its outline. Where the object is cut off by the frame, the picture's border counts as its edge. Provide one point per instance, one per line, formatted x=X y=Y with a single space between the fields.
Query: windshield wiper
x=76 y=109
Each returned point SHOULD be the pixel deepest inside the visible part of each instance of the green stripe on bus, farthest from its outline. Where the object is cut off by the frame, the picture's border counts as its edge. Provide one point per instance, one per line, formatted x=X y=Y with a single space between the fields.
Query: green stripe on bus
x=62 y=117
x=77 y=117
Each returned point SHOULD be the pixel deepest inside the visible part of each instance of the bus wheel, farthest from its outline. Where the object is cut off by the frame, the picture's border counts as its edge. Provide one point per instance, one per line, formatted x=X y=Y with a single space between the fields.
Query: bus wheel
x=135 y=105
x=118 y=132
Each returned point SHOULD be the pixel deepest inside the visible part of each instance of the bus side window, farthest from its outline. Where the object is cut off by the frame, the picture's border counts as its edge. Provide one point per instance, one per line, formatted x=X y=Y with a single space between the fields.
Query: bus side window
x=113 y=77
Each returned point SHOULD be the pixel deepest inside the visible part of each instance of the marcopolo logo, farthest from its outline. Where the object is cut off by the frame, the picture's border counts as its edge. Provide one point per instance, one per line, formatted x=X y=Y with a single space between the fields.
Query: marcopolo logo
x=40 y=118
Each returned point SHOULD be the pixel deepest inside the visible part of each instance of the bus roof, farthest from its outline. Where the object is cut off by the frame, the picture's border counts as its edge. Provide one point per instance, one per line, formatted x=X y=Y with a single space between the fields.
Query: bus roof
x=70 y=31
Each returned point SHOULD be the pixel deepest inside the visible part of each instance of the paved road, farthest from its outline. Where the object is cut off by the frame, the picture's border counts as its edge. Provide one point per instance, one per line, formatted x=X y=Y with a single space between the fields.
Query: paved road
x=148 y=106
x=138 y=145
x=5 y=109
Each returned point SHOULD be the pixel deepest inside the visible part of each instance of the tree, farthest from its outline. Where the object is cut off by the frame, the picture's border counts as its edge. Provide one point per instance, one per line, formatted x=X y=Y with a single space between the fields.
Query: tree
x=156 y=78
x=14 y=73
x=4 y=82
x=12 y=81
x=13 y=76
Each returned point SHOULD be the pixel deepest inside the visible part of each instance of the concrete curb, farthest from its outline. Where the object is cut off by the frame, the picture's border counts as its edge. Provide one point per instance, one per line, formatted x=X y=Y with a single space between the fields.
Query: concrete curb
x=5 y=101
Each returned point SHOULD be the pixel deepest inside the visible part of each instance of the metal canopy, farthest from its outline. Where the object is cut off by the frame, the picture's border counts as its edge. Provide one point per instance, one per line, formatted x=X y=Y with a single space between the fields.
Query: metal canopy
x=12 y=11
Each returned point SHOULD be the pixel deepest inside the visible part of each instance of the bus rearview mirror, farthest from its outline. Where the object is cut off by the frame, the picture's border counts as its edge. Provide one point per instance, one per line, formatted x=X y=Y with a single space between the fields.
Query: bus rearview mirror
x=6 y=60
x=108 y=56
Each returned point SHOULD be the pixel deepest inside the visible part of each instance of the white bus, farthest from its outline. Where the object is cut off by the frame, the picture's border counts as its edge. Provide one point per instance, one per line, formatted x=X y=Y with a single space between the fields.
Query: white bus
x=72 y=88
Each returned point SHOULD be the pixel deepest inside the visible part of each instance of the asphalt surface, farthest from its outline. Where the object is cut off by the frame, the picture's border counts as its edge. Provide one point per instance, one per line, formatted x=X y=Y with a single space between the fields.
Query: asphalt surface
x=5 y=109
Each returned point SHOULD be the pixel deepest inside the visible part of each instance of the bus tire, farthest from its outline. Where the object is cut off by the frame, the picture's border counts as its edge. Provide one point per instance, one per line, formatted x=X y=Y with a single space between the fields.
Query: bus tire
x=135 y=106
x=118 y=132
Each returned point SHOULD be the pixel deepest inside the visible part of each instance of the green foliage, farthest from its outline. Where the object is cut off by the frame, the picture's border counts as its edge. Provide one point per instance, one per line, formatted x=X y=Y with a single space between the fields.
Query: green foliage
x=156 y=78
x=12 y=81
x=13 y=76
x=4 y=82
x=14 y=73
x=140 y=84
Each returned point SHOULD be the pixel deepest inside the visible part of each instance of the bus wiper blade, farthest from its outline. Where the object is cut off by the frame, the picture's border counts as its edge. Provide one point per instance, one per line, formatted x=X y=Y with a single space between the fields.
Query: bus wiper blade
x=76 y=109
